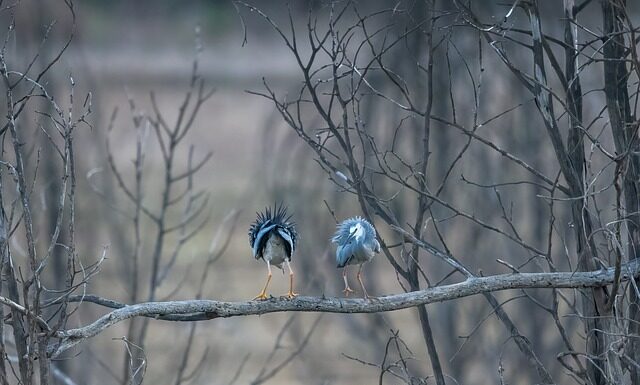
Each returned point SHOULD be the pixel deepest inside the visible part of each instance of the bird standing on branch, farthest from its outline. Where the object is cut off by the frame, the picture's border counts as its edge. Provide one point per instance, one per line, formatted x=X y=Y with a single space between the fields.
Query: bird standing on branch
x=273 y=238
x=357 y=244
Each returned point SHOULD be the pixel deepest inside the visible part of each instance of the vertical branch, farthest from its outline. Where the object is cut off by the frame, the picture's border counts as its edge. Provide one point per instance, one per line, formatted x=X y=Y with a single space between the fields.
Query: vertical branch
x=544 y=99
x=423 y=203
x=627 y=144
x=4 y=269
x=138 y=195
x=571 y=161
x=575 y=148
x=575 y=140
x=19 y=332
x=169 y=139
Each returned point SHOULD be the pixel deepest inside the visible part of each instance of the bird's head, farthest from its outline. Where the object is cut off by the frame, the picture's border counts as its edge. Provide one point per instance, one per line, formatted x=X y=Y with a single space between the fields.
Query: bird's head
x=356 y=231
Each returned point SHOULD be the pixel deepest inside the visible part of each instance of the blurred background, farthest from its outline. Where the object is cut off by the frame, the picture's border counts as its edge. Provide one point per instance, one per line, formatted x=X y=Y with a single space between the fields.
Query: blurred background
x=125 y=51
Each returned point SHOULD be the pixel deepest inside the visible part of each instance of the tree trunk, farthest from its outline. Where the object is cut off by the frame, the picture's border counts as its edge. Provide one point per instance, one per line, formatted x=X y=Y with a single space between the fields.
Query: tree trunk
x=625 y=137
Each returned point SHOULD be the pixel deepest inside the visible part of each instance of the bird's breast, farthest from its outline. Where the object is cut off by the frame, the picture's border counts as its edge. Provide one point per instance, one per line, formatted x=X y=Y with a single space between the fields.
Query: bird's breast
x=361 y=254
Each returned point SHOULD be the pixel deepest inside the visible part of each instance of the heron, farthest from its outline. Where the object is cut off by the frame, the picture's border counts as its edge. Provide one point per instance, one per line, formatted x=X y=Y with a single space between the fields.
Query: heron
x=357 y=244
x=273 y=239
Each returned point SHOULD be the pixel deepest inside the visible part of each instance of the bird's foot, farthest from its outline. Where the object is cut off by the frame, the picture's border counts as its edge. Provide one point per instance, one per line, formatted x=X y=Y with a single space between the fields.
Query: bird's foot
x=262 y=296
x=347 y=290
x=291 y=294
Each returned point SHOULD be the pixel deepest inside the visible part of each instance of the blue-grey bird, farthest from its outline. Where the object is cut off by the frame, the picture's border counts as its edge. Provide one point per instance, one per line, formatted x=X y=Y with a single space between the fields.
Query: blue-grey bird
x=357 y=244
x=273 y=238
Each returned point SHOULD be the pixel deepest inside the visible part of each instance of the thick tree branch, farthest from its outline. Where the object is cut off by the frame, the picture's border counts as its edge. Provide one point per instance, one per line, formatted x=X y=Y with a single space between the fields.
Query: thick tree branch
x=209 y=309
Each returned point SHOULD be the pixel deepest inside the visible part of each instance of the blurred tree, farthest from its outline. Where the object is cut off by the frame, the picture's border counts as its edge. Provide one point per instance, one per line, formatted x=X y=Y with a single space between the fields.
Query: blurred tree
x=478 y=138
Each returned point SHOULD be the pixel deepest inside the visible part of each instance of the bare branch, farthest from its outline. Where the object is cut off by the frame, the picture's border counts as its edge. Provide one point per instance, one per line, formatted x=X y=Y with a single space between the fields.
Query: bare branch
x=211 y=309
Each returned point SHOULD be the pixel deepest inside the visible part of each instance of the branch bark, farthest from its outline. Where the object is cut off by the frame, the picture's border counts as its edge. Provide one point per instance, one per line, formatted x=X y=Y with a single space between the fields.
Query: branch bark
x=624 y=127
x=211 y=309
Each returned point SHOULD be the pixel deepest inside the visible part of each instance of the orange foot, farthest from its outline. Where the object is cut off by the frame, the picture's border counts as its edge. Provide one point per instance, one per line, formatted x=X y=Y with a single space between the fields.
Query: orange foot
x=262 y=296
x=291 y=294
x=347 y=290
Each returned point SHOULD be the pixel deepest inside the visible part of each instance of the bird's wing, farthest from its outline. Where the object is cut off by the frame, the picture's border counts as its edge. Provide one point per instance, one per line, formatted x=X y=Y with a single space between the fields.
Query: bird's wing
x=376 y=246
x=344 y=253
x=284 y=233
x=261 y=240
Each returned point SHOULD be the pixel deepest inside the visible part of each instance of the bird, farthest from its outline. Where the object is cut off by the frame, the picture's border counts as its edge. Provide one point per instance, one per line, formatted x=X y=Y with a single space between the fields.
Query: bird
x=357 y=244
x=273 y=238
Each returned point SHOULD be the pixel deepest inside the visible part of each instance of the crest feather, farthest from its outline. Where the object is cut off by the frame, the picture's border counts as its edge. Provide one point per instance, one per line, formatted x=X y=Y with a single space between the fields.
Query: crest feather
x=343 y=229
x=272 y=219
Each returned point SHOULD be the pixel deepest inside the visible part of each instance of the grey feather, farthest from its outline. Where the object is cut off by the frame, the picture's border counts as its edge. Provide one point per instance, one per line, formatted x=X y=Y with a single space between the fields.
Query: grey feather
x=356 y=242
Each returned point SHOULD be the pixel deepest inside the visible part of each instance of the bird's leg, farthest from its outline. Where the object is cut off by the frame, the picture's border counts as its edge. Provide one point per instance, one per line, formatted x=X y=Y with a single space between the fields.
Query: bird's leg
x=364 y=291
x=263 y=293
x=347 y=289
x=290 y=294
